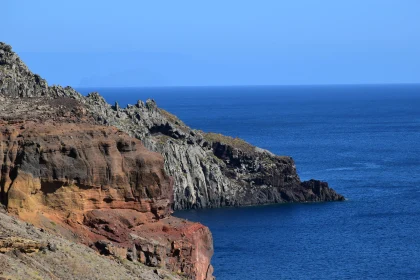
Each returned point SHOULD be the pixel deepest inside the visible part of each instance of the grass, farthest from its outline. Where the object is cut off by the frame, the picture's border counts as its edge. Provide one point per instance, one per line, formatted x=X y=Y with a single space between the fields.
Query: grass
x=171 y=117
x=236 y=142
x=174 y=119
x=162 y=139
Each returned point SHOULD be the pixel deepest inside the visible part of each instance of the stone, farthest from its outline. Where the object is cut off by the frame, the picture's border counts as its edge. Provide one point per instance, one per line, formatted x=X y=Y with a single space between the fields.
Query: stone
x=23 y=245
x=98 y=185
x=52 y=247
x=70 y=261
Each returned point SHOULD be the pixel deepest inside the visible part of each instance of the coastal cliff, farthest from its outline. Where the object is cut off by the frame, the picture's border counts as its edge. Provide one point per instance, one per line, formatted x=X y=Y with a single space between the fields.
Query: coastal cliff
x=90 y=183
x=27 y=252
x=209 y=170
x=109 y=177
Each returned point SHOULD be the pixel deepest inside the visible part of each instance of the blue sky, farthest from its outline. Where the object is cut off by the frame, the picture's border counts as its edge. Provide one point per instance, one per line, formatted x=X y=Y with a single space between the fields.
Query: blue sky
x=230 y=42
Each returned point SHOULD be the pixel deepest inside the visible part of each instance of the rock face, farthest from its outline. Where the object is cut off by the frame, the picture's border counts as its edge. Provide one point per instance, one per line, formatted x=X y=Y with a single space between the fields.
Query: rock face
x=94 y=173
x=20 y=244
x=103 y=186
x=27 y=252
x=16 y=80
x=209 y=170
x=90 y=183
x=104 y=167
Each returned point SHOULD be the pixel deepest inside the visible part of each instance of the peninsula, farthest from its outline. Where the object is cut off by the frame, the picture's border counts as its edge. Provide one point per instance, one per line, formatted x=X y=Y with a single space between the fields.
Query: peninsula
x=84 y=172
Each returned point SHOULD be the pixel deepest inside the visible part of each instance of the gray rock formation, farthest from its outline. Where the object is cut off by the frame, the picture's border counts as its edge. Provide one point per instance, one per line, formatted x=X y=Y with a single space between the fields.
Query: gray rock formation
x=209 y=170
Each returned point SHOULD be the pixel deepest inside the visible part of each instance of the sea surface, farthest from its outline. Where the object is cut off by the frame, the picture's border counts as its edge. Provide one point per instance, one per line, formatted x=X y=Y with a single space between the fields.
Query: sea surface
x=363 y=140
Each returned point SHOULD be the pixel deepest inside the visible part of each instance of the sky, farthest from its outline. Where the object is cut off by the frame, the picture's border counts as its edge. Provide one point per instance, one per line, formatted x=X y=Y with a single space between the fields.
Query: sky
x=216 y=43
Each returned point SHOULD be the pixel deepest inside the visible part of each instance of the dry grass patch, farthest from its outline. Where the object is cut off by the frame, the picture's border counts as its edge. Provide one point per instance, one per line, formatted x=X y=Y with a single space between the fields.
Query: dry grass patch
x=236 y=142
x=171 y=117
x=175 y=120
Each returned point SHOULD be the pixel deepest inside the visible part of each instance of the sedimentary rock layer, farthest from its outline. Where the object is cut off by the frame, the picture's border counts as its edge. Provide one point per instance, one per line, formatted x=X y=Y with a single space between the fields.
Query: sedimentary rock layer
x=209 y=170
x=85 y=170
x=97 y=185
x=27 y=252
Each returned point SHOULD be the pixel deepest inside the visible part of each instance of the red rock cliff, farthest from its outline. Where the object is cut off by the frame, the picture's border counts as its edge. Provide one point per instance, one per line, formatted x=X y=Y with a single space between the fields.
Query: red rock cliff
x=97 y=185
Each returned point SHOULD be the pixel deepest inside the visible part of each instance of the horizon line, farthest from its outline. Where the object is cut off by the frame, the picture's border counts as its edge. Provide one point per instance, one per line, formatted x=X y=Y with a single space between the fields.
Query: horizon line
x=274 y=85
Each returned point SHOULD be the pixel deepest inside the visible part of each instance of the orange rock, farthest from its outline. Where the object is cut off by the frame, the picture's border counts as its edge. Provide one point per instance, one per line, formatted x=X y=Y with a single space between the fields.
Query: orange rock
x=96 y=184
x=20 y=244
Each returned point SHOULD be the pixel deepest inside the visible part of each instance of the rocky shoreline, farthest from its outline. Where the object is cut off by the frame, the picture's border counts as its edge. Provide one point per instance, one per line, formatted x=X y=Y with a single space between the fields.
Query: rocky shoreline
x=110 y=177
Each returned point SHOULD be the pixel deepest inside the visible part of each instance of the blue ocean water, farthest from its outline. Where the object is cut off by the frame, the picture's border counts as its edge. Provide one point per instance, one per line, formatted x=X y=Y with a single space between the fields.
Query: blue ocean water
x=363 y=140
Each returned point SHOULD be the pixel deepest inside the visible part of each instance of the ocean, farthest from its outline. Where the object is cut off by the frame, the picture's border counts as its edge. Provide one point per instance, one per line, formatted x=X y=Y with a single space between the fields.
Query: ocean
x=364 y=140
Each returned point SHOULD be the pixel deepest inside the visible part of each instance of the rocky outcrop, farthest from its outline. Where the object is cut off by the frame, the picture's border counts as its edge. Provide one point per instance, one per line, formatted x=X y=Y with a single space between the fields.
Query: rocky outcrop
x=16 y=80
x=27 y=252
x=23 y=245
x=90 y=183
x=97 y=185
x=75 y=165
x=48 y=163
x=209 y=170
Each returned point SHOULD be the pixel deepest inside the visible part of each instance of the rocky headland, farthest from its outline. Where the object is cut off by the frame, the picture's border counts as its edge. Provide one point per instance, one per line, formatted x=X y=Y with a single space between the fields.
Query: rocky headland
x=109 y=177
x=88 y=183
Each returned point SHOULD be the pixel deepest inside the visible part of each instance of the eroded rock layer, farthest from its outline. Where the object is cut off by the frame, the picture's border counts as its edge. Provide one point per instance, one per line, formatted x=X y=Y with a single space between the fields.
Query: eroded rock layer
x=209 y=170
x=27 y=252
x=98 y=185
x=109 y=177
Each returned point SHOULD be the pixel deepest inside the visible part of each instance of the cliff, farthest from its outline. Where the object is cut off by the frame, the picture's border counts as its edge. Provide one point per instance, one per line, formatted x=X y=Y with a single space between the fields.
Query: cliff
x=27 y=252
x=209 y=170
x=89 y=183
x=109 y=177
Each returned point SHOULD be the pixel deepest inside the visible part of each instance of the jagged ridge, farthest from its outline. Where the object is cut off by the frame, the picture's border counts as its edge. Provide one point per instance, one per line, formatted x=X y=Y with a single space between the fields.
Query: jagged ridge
x=209 y=170
x=94 y=184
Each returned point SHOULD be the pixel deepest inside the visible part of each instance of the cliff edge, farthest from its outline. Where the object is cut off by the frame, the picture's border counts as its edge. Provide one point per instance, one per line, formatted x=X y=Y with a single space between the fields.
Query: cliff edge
x=109 y=177
x=209 y=170
x=89 y=183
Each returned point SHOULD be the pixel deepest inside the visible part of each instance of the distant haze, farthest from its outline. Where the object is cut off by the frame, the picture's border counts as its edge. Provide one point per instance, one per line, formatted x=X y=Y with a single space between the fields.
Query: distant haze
x=205 y=43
